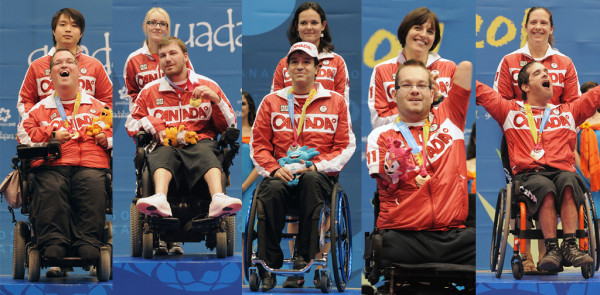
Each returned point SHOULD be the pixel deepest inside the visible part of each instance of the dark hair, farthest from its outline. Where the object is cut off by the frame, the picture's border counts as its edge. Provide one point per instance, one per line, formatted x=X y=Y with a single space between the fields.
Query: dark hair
x=71 y=13
x=418 y=17
x=292 y=32
x=585 y=87
x=251 y=107
x=524 y=78
x=412 y=62
x=59 y=50
x=532 y=9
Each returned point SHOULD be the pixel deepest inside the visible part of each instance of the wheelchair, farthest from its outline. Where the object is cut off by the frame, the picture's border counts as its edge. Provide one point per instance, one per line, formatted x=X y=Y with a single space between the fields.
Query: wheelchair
x=511 y=218
x=186 y=225
x=339 y=233
x=454 y=278
x=25 y=251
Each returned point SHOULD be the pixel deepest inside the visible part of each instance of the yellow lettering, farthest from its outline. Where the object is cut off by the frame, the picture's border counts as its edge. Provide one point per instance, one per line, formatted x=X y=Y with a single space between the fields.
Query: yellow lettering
x=478 y=23
x=510 y=34
x=374 y=42
x=523 y=30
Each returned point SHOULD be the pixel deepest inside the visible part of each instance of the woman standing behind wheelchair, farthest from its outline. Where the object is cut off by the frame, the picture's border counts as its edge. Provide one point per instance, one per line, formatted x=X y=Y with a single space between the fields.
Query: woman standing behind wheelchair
x=540 y=39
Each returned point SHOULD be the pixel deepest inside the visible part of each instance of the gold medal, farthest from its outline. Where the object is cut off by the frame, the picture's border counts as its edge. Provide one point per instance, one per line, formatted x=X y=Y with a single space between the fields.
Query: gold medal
x=195 y=102
x=75 y=135
x=537 y=154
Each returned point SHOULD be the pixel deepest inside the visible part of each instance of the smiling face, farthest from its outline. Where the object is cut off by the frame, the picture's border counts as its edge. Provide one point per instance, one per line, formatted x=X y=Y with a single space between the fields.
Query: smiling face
x=539 y=87
x=67 y=32
x=539 y=27
x=419 y=38
x=414 y=96
x=310 y=26
x=302 y=69
x=156 y=32
x=64 y=71
x=173 y=61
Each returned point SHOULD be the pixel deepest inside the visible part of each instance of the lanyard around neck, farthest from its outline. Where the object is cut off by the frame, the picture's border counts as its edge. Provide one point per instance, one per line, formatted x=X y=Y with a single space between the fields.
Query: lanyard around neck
x=537 y=136
x=290 y=98
x=61 y=110
x=416 y=150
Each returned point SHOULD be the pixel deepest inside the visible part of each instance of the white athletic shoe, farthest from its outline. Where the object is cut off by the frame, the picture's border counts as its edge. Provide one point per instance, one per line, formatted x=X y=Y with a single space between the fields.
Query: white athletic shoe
x=222 y=204
x=155 y=205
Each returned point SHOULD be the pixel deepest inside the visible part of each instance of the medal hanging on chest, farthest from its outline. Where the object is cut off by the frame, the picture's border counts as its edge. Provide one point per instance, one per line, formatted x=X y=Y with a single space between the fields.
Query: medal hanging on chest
x=537 y=152
x=63 y=115
x=419 y=156
x=296 y=131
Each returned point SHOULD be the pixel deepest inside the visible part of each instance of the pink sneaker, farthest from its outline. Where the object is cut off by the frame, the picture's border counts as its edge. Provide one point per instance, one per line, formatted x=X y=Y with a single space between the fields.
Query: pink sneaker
x=155 y=205
x=222 y=205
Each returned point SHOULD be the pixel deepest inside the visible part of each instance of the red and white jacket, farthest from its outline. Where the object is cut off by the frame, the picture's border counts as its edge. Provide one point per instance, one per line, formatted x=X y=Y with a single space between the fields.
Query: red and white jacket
x=442 y=202
x=159 y=106
x=333 y=75
x=141 y=68
x=382 y=104
x=37 y=125
x=558 y=138
x=560 y=69
x=326 y=128
x=37 y=85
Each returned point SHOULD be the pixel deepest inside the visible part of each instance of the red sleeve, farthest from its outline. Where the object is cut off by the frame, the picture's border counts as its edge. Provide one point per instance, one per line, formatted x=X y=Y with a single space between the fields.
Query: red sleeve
x=278 y=78
x=139 y=119
x=223 y=115
x=133 y=89
x=459 y=103
x=104 y=87
x=586 y=106
x=261 y=143
x=341 y=80
x=379 y=107
x=343 y=146
x=504 y=81
x=571 y=90
x=492 y=101
x=30 y=132
x=28 y=95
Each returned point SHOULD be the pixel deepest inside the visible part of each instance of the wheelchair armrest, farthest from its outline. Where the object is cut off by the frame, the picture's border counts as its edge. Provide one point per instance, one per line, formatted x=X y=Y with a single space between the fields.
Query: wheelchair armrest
x=51 y=151
x=229 y=136
x=142 y=138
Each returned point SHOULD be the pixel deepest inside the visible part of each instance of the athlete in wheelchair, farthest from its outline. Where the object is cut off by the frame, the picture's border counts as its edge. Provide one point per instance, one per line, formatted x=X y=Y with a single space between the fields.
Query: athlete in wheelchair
x=183 y=112
x=540 y=140
x=300 y=160
x=419 y=162
x=66 y=180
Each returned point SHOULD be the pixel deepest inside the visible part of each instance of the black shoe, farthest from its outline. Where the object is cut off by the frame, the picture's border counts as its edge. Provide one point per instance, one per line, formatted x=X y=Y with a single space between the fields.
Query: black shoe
x=572 y=255
x=88 y=252
x=55 y=252
x=293 y=282
x=299 y=263
x=552 y=259
x=269 y=281
x=55 y=272
x=162 y=249
x=175 y=248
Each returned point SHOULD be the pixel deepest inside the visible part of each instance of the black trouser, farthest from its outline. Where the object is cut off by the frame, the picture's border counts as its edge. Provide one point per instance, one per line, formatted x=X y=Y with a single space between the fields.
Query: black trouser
x=455 y=246
x=68 y=206
x=277 y=198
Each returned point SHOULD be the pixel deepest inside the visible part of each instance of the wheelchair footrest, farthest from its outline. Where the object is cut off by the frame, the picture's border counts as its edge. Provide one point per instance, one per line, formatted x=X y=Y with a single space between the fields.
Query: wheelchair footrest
x=291 y=272
x=203 y=225
x=165 y=223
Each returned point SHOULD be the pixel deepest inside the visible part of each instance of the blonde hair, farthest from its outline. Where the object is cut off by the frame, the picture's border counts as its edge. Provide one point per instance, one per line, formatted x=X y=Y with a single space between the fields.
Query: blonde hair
x=161 y=11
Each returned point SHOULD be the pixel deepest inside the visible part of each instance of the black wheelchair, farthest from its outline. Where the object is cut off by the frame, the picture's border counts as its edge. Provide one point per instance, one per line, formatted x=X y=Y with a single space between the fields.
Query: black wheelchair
x=452 y=278
x=190 y=221
x=25 y=251
x=511 y=217
x=339 y=233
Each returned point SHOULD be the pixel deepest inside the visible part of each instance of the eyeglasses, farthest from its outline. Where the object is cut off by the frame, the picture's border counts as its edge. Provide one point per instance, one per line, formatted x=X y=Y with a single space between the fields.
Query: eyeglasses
x=154 y=23
x=408 y=87
x=61 y=62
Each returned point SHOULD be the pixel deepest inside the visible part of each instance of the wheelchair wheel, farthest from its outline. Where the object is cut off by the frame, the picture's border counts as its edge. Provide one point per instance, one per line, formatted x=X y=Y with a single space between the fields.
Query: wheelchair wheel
x=588 y=270
x=230 y=235
x=325 y=282
x=148 y=245
x=504 y=222
x=496 y=234
x=33 y=274
x=250 y=234
x=254 y=282
x=221 y=244
x=103 y=269
x=136 y=230
x=341 y=239
x=21 y=235
x=517 y=267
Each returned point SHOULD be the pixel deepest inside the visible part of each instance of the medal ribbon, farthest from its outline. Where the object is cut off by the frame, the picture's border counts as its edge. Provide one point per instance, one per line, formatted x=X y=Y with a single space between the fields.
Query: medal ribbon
x=537 y=136
x=290 y=98
x=63 y=114
x=420 y=155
